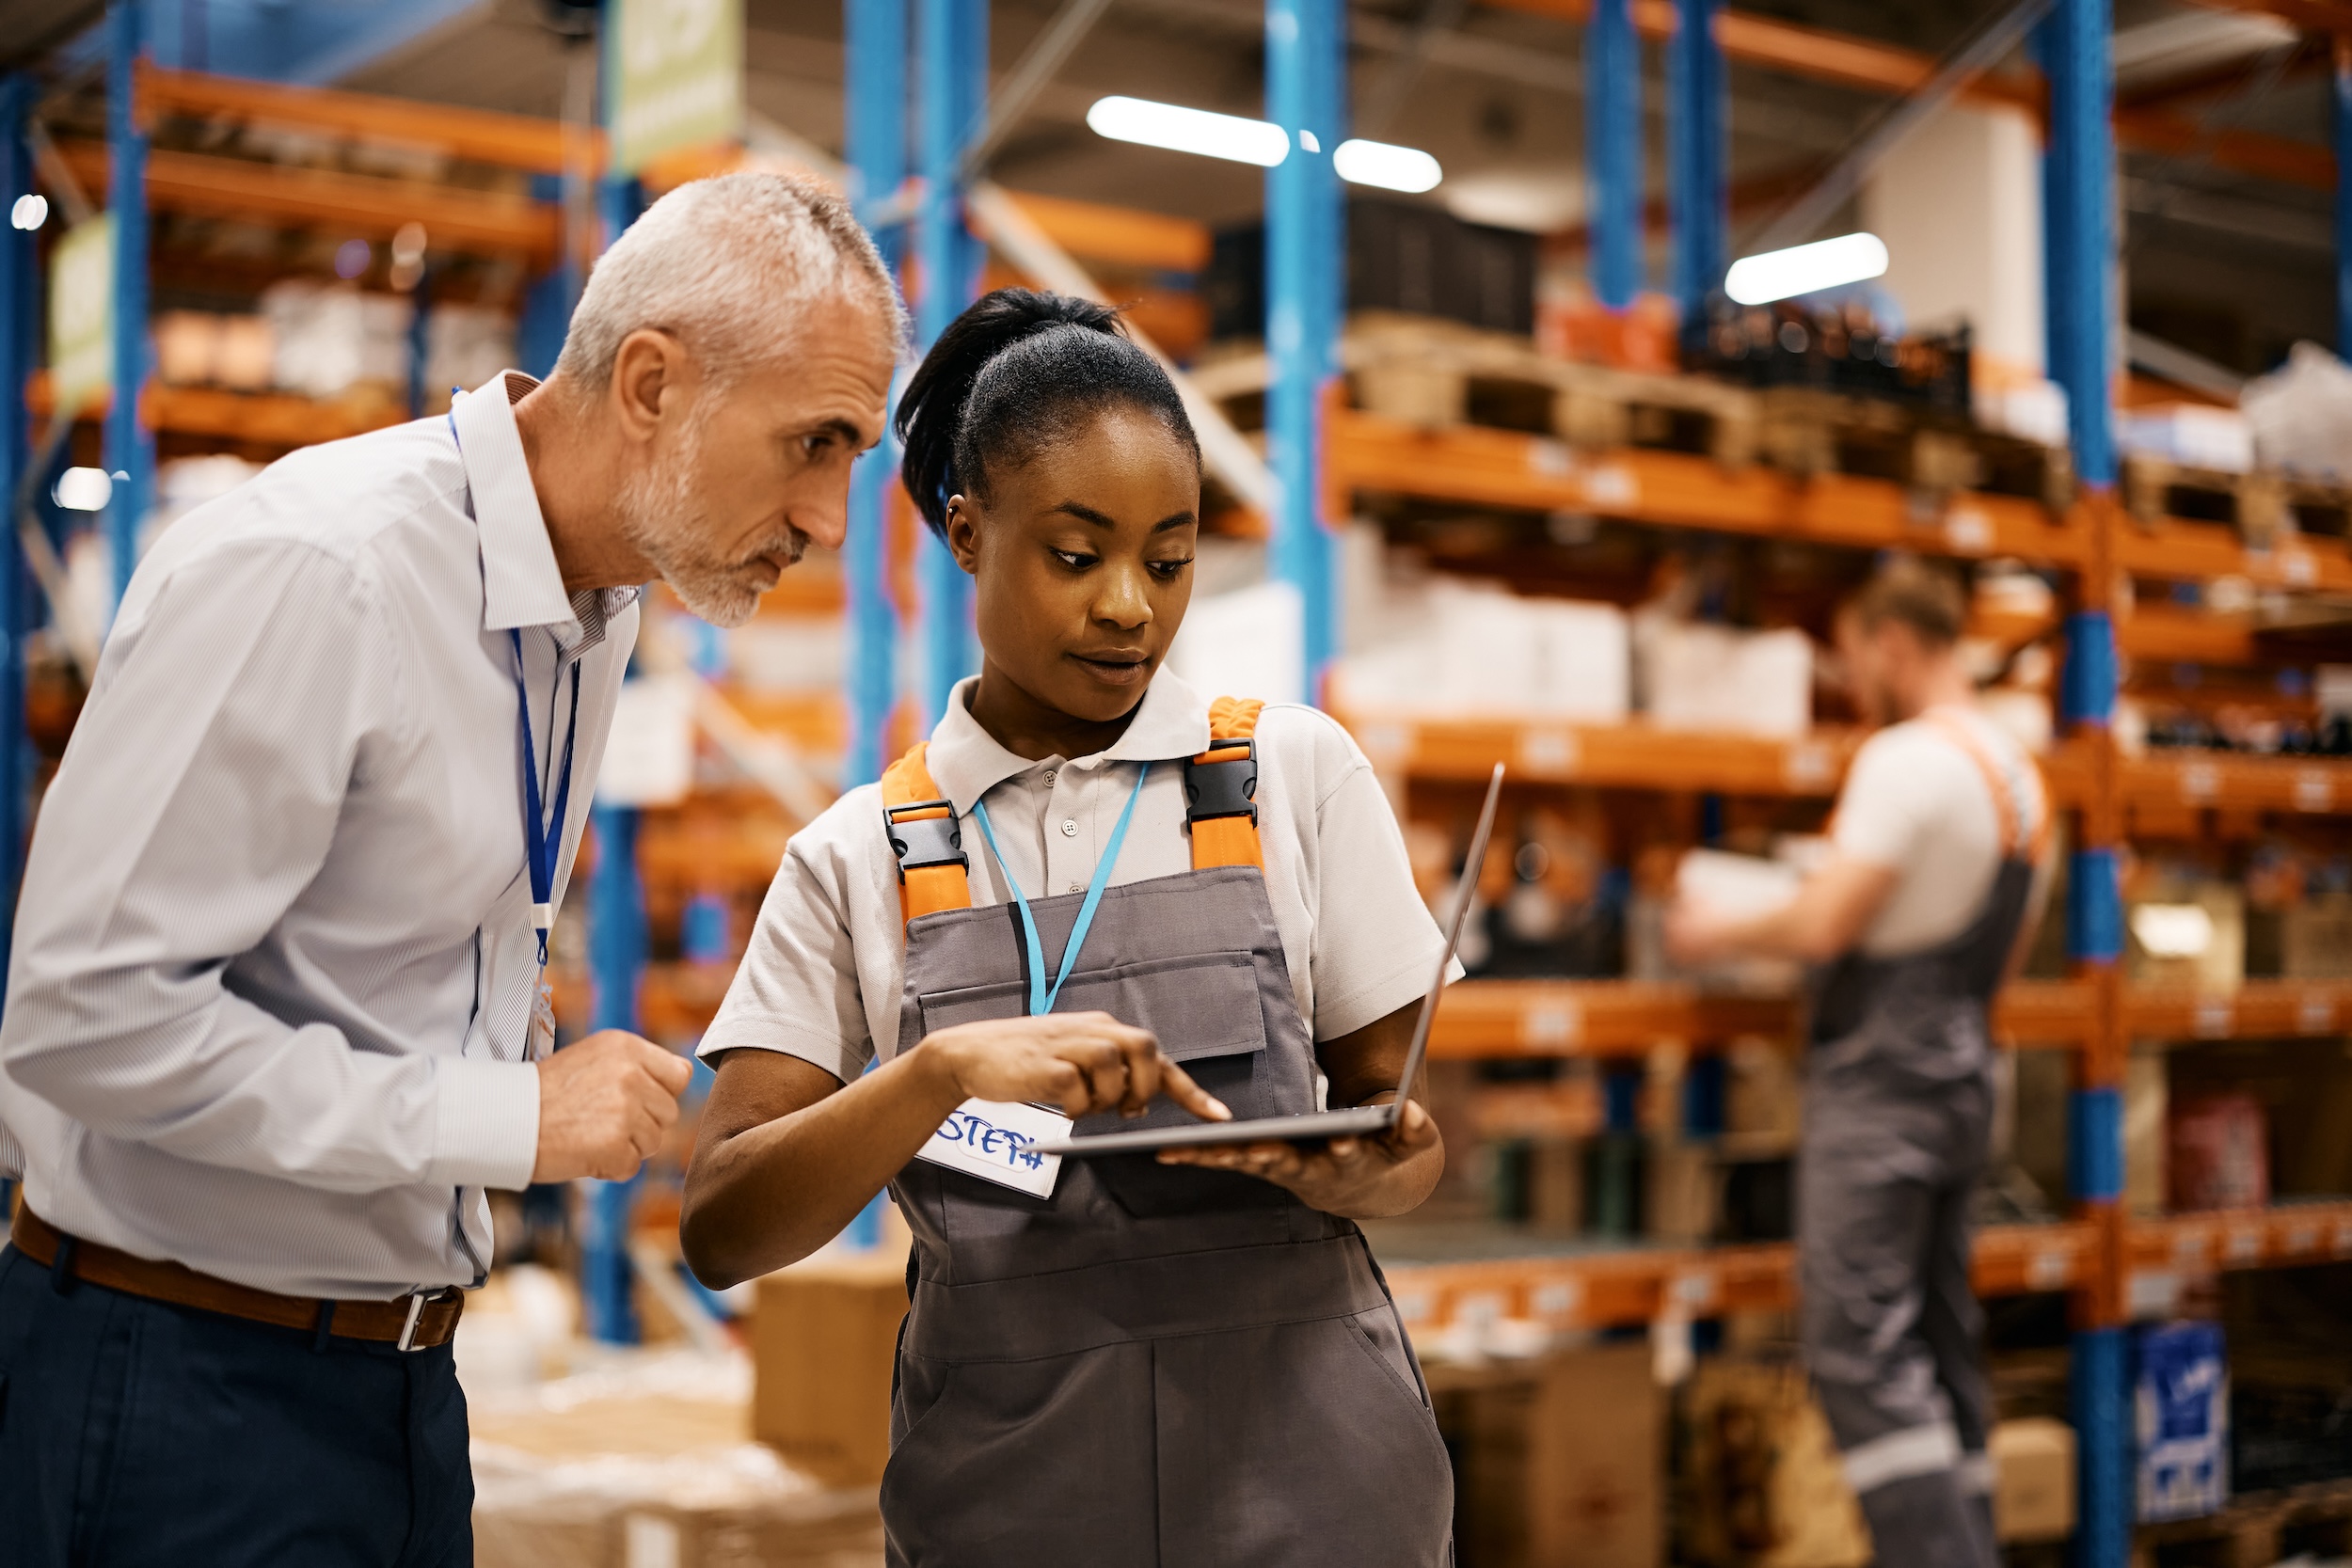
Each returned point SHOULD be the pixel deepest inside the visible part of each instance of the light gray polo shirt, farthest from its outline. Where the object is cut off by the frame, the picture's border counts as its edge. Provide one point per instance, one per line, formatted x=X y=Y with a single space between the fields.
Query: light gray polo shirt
x=822 y=976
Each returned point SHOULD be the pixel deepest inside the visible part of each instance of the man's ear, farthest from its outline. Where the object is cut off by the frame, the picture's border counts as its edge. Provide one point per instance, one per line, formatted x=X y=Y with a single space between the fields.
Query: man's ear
x=963 y=534
x=650 y=372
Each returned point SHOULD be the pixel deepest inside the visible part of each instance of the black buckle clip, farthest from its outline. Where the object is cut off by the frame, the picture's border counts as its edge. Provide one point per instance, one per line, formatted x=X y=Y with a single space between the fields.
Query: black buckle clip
x=1226 y=788
x=925 y=841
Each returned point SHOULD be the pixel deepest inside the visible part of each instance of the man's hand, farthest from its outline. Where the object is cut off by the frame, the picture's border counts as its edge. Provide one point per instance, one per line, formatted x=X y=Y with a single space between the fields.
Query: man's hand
x=1347 y=1176
x=1083 y=1062
x=604 y=1103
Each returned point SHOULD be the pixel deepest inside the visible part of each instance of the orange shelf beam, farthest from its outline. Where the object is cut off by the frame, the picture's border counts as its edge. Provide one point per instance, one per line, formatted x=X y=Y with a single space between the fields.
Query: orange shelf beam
x=1613 y=1288
x=363 y=205
x=481 y=136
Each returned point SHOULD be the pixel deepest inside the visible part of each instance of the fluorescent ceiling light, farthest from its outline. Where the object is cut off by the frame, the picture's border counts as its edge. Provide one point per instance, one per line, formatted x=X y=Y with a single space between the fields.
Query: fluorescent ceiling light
x=1182 y=130
x=1806 y=268
x=30 y=212
x=84 y=489
x=1391 y=168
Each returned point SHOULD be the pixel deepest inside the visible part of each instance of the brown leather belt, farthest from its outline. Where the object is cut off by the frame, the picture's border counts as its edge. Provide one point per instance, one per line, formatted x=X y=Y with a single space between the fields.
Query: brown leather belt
x=412 y=1323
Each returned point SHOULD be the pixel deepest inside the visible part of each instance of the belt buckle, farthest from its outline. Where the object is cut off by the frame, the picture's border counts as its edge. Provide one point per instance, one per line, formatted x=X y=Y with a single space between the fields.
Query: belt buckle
x=408 y=1341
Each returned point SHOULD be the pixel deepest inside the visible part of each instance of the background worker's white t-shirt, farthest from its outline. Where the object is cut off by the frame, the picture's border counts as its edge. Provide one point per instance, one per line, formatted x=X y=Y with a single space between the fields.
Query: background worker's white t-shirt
x=1915 y=801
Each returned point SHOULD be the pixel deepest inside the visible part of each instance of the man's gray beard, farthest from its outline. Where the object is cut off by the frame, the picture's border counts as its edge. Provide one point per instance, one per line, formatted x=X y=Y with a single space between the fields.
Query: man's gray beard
x=662 y=518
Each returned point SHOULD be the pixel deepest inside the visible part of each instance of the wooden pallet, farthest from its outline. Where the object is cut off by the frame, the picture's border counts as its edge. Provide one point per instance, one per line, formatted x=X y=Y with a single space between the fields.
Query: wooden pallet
x=2264 y=506
x=2254 y=1531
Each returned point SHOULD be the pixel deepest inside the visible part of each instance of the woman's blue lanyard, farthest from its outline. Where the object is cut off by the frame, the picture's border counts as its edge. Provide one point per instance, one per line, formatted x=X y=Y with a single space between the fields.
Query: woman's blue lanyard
x=543 y=842
x=1040 y=999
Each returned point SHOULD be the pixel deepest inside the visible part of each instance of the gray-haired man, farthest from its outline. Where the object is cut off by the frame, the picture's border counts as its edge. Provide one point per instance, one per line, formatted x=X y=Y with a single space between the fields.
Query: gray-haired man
x=275 y=1017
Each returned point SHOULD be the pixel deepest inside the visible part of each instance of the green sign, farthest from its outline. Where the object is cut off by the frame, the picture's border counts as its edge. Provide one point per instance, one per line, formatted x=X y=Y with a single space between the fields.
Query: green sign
x=676 y=69
x=81 y=314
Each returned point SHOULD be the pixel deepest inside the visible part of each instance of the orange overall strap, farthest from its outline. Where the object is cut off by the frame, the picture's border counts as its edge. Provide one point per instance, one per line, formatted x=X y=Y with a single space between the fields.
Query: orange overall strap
x=924 y=838
x=2008 y=802
x=1221 y=789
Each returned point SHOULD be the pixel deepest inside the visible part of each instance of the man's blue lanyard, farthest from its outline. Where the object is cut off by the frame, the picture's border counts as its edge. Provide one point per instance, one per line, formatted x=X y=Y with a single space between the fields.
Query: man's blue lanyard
x=1040 y=999
x=543 y=842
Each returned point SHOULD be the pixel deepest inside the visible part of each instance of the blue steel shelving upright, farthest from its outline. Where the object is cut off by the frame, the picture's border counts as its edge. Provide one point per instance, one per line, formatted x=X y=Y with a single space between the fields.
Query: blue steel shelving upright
x=2078 y=194
x=951 y=90
x=1697 y=197
x=1305 y=94
x=1612 y=152
x=130 y=446
x=875 y=122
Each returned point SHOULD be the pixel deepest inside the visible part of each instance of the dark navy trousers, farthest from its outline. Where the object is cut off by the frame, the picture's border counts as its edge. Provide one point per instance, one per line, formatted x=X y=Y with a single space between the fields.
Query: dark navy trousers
x=135 y=1435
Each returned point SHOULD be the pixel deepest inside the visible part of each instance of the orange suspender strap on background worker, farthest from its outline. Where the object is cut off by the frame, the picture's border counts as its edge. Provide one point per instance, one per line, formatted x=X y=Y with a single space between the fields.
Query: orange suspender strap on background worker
x=2008 y=802
x=1220 y=810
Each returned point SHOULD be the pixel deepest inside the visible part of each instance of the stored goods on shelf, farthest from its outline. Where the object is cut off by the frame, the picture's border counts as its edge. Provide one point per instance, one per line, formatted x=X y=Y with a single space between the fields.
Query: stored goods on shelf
x=2195 y=436
x=1457 y=649
x=1561 y=1466
x=2180 y=1403
x=1401 y=256
x=2302 y=414
x=1766 y=1488
x=2033 y=1489
x=2219 y=1153
x=2147 y=1132
x=1697 y=676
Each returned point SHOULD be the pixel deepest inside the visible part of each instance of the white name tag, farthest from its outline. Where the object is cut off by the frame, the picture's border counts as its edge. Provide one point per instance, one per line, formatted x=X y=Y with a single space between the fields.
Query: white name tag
x=990 y=1139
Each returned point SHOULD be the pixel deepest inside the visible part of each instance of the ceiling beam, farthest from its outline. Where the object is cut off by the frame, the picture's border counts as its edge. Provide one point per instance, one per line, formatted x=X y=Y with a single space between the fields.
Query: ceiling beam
x=1849 y=61
x=2310 y=53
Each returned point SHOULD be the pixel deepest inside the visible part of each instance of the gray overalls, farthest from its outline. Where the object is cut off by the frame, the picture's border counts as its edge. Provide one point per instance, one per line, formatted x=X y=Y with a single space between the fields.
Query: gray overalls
x=1155 y=1366
x=1898 y=1118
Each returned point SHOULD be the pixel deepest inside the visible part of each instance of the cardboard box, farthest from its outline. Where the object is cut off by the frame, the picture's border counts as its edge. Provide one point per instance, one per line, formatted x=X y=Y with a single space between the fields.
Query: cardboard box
x=2181 y=1408
x=1766 y=1486
x=1682 y=1191
x=2315 y=938
x=2033 y=1486
x=824 y=1338
x=1711 y=677
x=1563 y=1468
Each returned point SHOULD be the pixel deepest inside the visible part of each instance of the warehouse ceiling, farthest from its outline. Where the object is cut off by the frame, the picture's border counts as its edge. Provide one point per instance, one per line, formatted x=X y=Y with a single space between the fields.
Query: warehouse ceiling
x=1495 y=91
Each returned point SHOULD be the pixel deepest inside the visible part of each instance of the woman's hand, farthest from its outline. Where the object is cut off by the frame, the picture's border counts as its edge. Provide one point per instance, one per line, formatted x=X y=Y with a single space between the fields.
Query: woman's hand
x=1083 y=1062
x=1356 y=1176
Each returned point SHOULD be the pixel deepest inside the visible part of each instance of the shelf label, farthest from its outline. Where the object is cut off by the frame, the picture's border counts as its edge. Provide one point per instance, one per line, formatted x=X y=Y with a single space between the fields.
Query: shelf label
x=2048 y=1270
x=2216 y=1018
x=2299 y=566
x=2151 y=1293
x=2302 y=1240
x=1552 y=1024
x=2315 y=790
x=2316 y=1015
x=1612 y=485
x=2188 y=1248
x=1387 y=745
x=1548 y=750
x=1808 y=764
x=1693 y=1290
x=2341 y=1243
x=2243 y=1245
x=2200 y=781
x=1413 y=1305
x=1557 y=1299
x=1967 y=531
x=1478 y=1310
x=1552 y=459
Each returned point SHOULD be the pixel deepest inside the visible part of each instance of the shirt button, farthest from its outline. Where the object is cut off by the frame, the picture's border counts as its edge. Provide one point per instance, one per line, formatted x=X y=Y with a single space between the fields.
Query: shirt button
x=1049 y=778
x=1069 y=827
x=1075 y=887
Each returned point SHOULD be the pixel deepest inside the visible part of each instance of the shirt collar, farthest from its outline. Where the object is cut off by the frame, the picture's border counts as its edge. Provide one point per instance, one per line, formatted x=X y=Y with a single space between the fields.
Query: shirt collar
x=967 y=762
x=521 y=585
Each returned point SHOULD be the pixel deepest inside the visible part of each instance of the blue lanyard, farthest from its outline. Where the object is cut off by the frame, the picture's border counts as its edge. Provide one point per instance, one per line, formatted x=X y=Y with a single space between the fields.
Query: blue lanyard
x=1041 y=1000
x=543 y=842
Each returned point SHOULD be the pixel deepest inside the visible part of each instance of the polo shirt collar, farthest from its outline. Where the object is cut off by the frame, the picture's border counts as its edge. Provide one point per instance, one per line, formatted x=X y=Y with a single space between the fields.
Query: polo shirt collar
x=521 y=585
x=968 y=762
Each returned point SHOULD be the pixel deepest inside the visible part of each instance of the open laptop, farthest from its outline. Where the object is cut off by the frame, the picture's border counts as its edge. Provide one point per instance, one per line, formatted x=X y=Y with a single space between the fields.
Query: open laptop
x=1361 y=1119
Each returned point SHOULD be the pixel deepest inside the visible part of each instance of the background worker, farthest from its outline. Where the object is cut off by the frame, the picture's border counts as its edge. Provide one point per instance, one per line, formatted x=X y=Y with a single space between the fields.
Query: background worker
x=1925 y=906
x=276 y=1014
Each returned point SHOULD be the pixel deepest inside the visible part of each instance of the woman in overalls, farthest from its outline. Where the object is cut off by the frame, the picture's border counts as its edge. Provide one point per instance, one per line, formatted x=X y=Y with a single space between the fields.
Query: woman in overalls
x=1096 y=890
